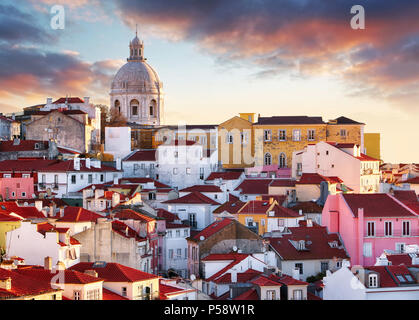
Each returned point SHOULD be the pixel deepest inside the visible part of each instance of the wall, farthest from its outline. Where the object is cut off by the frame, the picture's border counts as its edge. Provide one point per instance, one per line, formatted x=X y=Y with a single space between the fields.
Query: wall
x=372 y=145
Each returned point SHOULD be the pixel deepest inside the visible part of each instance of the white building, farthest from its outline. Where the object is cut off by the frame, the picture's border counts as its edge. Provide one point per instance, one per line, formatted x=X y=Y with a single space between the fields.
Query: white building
x=136 y=89
x=68 y=177
x=358 y=171
x=35 y=241
x=183 y=163
x=176 y=248
x=118 y=141
x=140 y=163
x=384 y=282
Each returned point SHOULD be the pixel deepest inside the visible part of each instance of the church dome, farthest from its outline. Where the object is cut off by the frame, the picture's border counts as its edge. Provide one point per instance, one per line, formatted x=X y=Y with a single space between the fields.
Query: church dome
x=136 y=76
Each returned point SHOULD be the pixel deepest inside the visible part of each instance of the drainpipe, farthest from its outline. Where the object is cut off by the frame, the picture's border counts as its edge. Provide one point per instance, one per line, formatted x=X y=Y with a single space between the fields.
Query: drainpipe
x=361 y=236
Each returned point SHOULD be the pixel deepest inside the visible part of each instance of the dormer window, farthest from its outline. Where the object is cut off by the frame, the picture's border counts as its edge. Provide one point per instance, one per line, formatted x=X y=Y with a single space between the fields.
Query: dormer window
x=333 y=244
x=373 y=281
x=301 y=245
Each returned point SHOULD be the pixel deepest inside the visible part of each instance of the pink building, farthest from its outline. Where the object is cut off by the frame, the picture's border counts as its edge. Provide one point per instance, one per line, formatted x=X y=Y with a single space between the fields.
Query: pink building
x=370 y=224
x=16 y=188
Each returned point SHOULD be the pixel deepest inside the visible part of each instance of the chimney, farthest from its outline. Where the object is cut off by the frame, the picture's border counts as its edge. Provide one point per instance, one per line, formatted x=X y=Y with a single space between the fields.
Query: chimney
x=38 y=205
x=296 y=273
x=233 y=276
x=51 y=211
x=48 y=263
x=61 y=212
x=86 y=100
x=126 y=231
x=6 y=283
x=88 y=163
x=49 y=100
x=92 y=273
x=76 y=163
x=309 y=223
x=271 y=200
x=115 y=180
x=118 y=163
x=60 y=266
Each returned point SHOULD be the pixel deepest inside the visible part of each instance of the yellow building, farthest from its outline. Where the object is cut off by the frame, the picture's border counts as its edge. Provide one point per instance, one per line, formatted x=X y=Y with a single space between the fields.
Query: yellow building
x=7 y=223
x=372 y=145
x=236 y=142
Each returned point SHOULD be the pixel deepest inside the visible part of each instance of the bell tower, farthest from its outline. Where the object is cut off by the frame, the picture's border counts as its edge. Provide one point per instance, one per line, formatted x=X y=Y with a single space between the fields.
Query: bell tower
x=136 y=49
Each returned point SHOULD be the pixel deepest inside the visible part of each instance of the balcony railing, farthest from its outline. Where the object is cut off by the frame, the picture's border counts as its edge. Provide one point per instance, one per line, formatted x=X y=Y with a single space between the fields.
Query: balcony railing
x=395 y=234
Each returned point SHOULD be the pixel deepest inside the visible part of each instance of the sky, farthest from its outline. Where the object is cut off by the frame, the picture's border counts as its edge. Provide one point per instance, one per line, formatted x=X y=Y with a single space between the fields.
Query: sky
x=217 y=58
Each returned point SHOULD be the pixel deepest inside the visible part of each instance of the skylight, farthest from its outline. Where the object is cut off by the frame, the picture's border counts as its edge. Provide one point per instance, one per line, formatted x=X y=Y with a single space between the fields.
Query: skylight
x=400 y=278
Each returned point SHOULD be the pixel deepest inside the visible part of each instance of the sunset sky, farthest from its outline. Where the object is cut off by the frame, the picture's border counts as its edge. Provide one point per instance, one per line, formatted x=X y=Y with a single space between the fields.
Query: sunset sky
x=218 y=58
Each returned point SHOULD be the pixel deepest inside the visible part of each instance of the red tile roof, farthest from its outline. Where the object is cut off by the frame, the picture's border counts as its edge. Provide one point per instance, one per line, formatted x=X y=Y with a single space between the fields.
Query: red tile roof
x=263 y=207
x=68 y=100
x=109 y=295
x=316 y=239
x=142 y=155
x=23 y=286
x=125 y=214
x=168 y=290
x=179 y=143
x=114 y=272
x=157 y=184
x=213 y=228
x=202 y=188
x=388 y=275
x=169 y=216
x=265 y=281
x=122 y=229
x=70 y=276
x=24 y=212
x=414 y=180
x=283 y=183
x=235 y=258
x=8 y=218
x=242 y=277
x=68 y=166
x=231 y=206
x=376 y=205
x=229 y=175
x=78 y=214
x=254 y=186
x=25 y=166
x=193 y=198
x=315 y=178
x=250 y=294
x=289 y=120
x=24 y=145
x=406 y=195
x=364 y=157
x=307 y=207
x=397 y=259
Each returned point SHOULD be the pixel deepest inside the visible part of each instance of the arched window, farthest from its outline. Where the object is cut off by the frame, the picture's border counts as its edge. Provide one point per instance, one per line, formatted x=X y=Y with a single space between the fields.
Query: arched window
x=268 y=159
x=134 y=105
x=117 y=106
x=282 y=160
x=153 y=105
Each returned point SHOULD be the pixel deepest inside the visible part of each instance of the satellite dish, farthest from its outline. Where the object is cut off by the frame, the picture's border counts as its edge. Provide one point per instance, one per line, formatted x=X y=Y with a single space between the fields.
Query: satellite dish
x=93 y=187
x=25 y=204
x=234 y=248
x=33 y=195
x=202 y=238
x=193 y=277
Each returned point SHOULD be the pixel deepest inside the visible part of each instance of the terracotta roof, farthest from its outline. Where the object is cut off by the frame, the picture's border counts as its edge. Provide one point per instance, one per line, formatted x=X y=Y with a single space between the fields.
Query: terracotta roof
x=388 y=275
x=397 y=259
x=315 y=178
x=122 y=229
x=125 y=214
x=109 y=295
x=229 y=175
x=68 y=100
x=263 y=207
x=168 y=290
x=250 y=294
x=142 y=155
x=254 y=186
x=193 y=198
x=23 y=285
x=24 y=145
x=242 y=277
x=406 y=195
x=235 y=258
x=344 y=120
x=283 y=183
x=289 y=120
x=364 y=157
x=7 y=218
x=25 y=165
x=171 y=225
x=169 y=216
x=202 y=188
x=157 y=184
x=376 y=205
x=311 y=296
x=307 y=207
x=317 y=245
x=414 y=180
x=265 y=281
x=114 y=272
x=24 y=212
x=231 y=206
x=78 y=214
x=70 y=276
x=68 y=166
x=213 y=228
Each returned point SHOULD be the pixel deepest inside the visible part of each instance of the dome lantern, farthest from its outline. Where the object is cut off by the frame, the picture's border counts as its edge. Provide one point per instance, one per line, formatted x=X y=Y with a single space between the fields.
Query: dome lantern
x=136 y=49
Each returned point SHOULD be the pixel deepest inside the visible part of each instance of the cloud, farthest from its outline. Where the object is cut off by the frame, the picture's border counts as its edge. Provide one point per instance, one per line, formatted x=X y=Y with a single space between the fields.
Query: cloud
x=299 y=37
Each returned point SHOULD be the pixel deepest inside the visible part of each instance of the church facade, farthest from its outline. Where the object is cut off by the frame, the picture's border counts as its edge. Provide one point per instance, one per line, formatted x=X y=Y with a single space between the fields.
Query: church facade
x=136 y=90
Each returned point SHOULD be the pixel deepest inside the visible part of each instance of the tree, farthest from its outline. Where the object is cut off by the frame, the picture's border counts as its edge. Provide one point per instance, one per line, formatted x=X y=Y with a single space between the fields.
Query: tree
x=116 y=119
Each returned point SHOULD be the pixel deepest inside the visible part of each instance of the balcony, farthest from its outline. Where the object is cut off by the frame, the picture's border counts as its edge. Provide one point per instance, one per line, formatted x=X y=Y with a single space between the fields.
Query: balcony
x=395 y=234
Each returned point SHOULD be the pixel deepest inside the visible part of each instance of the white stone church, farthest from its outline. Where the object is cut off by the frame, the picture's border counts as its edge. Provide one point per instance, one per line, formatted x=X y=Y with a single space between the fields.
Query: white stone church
x=136 y=90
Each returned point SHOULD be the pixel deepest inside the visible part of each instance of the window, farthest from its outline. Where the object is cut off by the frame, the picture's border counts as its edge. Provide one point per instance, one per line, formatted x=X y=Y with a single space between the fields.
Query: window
x=6 y=175
x=244 y=138
x=73 y=179
x=186 y=253
x=268 y=159
x=408 y=277
x=169 y=234
x=282 y=135
x=44 y=178
x=388 y=228
x=367 y=249
x=151 y=111
x=280 y=222
x=324 y=265
x=296 y=135
x=267 y=135
x=406 y=228
x=13 y=194
x=343 y=133
x=370 y=229
x=188 y=170
x=400 y=247
x=201 y=173
x=311 y=135
x=76 y=295
x=170 y=253
x=297 y=295
x=23 y=194
x=26 y=175
x=178 y=253
x=89 y=178
x=300 y=267
x=151 y=196
x=249 y=221
x=282 y=161
x=229 y=138
x=178 y=233
x=124 y=291
x=134 y=107
x=192 y=220
x=102 y=177
x=270 y=295
x=185 y=233
x=372 y=281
